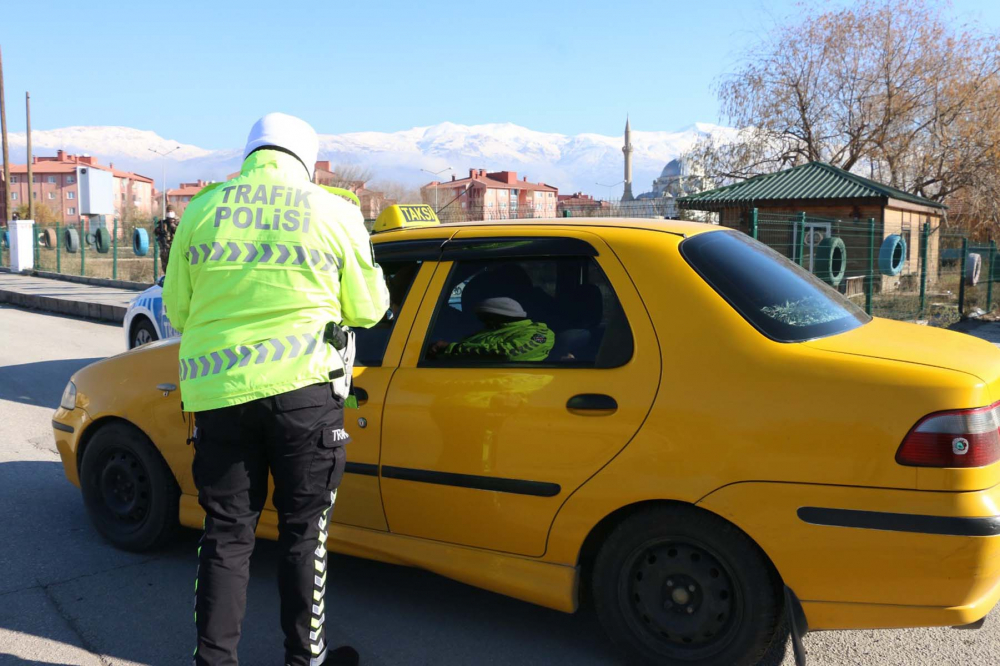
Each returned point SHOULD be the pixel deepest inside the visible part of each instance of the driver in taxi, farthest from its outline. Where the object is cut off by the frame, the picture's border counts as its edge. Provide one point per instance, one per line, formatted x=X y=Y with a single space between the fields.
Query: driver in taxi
x=509 y=335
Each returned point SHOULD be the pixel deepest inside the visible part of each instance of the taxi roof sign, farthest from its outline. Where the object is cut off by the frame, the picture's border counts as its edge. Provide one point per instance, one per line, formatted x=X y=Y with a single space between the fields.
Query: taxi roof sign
x=405 y=216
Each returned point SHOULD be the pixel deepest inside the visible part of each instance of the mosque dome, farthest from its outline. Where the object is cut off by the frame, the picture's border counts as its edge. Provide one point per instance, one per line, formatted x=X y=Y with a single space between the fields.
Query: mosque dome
x=672 y=170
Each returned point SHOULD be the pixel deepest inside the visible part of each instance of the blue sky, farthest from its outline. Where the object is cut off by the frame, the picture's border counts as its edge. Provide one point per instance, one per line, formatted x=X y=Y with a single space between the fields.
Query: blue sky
x=202 y=72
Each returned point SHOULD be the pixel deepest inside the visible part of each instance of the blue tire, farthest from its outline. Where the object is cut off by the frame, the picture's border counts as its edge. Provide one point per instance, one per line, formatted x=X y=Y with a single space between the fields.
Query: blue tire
x=140 y=242
x=892 y=255
x=831 y=260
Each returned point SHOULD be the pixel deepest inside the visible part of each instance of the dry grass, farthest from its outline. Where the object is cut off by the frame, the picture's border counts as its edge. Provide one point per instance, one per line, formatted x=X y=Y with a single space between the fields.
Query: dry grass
x=130 y=267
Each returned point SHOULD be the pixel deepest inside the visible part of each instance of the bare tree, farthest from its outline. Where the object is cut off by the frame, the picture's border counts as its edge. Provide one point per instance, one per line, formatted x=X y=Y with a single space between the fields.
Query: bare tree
x=397 y=192
x=889 y=89
x=351 y=176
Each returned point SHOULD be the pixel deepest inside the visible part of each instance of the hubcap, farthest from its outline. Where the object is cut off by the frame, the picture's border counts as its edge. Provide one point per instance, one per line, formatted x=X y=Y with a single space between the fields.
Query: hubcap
x=124 y=487
x=681 y=598
x=142 y=336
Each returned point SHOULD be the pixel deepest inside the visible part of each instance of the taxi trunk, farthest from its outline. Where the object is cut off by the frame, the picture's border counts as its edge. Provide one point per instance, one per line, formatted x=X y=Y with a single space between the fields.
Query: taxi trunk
x=956 y=446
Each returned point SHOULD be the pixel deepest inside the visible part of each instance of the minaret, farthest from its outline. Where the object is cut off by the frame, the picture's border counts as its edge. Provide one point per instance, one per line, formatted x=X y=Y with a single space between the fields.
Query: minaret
x=627 y=149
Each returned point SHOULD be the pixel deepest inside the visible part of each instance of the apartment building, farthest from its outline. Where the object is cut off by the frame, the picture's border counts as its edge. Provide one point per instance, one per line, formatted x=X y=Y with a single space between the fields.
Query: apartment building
x=181 y=196
x=56 y=183
x=496 y=195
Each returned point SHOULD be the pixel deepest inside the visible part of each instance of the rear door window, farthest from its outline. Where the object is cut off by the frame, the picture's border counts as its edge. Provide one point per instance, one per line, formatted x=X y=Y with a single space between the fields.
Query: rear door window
x=781 y=299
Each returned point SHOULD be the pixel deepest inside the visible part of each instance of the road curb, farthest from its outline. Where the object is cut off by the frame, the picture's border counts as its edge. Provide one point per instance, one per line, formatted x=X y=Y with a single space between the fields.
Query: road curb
x=65 y=306
x=97 y=282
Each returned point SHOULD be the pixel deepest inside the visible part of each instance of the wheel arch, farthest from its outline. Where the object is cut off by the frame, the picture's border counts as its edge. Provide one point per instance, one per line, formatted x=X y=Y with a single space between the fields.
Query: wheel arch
x=602 y=529
x=97 y=425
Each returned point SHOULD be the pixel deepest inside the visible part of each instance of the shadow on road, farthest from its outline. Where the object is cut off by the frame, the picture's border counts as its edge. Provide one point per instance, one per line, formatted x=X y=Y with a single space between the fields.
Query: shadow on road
x=39 y=383
x=138 y=607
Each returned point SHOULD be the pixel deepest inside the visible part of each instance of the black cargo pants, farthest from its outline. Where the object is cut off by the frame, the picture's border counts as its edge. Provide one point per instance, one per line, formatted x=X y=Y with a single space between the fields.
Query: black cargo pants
x=299 y=437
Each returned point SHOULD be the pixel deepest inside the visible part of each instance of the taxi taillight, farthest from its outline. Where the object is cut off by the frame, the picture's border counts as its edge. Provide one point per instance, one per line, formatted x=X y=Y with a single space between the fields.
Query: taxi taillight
x=959 y=438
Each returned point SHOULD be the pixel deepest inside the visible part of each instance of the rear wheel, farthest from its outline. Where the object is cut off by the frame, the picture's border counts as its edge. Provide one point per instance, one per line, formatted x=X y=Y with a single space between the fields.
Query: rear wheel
x=142 y=332
x=130 y=493
x=678 y=585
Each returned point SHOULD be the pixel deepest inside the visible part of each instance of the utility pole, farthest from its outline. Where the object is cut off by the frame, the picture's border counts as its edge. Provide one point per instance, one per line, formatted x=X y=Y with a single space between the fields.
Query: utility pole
x=163 y=194
x=437 y=187
x=6 y=160
x=31 y=180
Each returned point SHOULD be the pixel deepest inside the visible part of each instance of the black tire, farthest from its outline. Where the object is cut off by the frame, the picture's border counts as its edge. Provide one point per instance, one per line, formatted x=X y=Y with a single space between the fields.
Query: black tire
x=102 y=239
x=142 y=332
x=72 y=239
x=678 y=585
x=130 y=494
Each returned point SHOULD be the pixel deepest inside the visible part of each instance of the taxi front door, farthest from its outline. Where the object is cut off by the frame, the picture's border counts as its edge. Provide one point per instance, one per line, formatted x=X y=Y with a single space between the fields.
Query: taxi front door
x=484 y=456
x=359 y=501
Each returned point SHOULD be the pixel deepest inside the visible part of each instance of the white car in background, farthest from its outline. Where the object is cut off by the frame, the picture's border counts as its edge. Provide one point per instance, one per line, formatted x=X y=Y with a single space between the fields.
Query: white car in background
x=145 y=320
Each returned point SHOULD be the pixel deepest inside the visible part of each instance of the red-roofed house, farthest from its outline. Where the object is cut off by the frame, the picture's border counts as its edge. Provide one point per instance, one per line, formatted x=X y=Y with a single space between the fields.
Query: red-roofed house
x=580 y=204
x=56 y=184
x=180 y=197
x=372 y=201
x=497 y=195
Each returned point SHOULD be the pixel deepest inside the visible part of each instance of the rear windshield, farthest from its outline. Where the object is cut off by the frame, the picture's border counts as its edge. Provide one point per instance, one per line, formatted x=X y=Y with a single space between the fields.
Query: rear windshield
x=784 y=301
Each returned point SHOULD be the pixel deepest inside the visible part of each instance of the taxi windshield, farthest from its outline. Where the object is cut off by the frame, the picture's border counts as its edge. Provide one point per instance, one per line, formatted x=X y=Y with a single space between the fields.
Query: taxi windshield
x=782 y=300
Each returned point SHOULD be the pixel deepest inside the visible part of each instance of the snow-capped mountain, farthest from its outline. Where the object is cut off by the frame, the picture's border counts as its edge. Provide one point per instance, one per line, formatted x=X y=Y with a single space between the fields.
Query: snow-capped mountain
x=571 y=163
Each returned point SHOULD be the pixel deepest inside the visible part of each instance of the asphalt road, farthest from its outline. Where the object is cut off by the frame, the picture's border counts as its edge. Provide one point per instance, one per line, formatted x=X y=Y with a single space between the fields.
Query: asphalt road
x=66 y=597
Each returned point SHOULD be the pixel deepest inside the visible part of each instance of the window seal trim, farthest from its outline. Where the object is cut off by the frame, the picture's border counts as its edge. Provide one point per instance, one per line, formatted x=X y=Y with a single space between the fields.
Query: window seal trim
x=424 y=249
x=515 y=247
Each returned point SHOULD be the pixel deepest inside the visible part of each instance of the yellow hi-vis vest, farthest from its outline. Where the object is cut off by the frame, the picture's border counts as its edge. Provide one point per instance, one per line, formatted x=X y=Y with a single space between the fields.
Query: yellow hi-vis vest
x=258 y=267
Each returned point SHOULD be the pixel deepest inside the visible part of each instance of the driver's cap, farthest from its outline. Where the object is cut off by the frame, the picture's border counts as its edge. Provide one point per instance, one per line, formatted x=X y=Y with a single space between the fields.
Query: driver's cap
x=501 y=305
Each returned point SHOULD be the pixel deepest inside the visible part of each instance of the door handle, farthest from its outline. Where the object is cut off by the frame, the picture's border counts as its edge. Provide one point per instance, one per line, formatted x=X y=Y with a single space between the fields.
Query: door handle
x=592 y=404
x=361 y=395
x=166 y=388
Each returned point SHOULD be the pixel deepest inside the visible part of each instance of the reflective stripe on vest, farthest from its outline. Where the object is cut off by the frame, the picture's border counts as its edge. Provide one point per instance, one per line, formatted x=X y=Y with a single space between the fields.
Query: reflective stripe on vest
x=262 y=253
x=240 y=356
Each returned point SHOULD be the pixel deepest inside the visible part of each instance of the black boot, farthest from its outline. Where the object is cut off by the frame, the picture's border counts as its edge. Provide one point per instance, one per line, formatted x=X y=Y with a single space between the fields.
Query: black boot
x=345 y=655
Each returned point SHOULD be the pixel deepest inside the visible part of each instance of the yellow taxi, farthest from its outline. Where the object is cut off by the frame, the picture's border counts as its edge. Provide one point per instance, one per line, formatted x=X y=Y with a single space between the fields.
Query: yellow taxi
x=714 y=440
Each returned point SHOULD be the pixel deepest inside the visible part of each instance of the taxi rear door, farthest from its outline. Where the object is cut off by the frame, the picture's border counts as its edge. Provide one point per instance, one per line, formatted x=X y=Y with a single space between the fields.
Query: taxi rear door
x=484 y=453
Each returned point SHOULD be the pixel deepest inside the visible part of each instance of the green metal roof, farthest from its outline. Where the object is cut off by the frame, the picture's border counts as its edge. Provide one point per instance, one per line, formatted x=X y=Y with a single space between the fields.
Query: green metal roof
x=814 y=180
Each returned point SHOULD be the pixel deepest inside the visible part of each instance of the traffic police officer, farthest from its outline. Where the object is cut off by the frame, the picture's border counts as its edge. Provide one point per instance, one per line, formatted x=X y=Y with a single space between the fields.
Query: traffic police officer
x=260 y=267
x=509 y=335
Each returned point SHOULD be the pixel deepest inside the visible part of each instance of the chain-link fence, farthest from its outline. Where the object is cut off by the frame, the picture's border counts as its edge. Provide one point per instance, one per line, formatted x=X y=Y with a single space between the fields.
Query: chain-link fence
x=4 y=247
x=906 y=274
x=911 y=273
x=970 y=271
x=98 y=247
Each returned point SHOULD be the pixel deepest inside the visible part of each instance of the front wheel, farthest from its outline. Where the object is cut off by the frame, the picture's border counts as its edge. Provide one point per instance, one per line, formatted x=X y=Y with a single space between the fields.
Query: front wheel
x=130 y=493
x=142 y=332
x=678 y=585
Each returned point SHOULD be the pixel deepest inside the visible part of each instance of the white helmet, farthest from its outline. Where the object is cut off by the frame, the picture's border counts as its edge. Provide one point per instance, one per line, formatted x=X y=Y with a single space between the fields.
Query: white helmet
x=288 y=132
